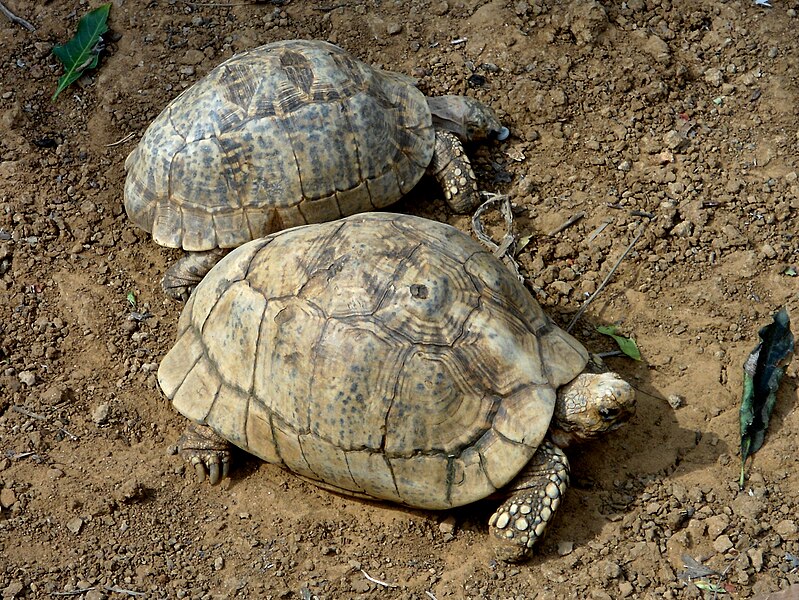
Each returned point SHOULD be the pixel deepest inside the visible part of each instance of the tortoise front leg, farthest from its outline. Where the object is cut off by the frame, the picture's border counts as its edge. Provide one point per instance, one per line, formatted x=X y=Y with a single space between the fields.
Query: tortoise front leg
x=181 y=278
x=451 y=167
x=206 y=451
x=534 y=496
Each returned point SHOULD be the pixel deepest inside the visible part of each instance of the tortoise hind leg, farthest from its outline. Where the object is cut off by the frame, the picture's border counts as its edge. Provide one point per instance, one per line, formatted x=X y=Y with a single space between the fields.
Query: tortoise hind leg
x=451 y=167
x=534 y=496
x=181 y=278
x=206 y=451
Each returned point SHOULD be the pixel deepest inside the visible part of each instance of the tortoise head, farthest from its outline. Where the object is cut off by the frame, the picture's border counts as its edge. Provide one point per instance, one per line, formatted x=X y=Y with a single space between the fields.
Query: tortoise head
x=469 y=119
x=590 y=405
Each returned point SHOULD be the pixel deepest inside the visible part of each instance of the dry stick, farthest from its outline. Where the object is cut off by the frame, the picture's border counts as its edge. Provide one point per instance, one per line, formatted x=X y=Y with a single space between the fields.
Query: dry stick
x=15 y=19
x=121 y=141
x=569 y=222
x=38 y=417
x=377 y=581
x=604 y=282
x=499 y=250
x=119 y=590
x=431 y=595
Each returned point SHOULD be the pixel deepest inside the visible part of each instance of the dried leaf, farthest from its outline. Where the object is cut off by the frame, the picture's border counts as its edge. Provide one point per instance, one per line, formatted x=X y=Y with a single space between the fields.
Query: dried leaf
x=626 y=345
x=710 y=587
x=763 y=371
x=83 y=50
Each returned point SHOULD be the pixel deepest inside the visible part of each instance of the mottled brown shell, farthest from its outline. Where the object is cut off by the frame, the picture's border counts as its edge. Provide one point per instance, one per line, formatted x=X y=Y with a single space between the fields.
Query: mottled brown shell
x=382 y=355
x=289 y=133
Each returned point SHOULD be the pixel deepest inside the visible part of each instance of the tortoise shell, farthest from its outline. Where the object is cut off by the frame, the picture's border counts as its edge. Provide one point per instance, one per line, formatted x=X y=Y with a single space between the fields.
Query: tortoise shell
x=289 y=133
x=381 y=355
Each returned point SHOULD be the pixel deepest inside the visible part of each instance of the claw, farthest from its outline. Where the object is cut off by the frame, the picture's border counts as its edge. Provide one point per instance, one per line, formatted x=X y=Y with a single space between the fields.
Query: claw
x=199 y=468
x=213 y=473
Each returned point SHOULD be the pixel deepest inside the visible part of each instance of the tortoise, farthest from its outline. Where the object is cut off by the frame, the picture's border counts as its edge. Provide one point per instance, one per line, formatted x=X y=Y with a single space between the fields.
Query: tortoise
x=290 y=133
x=388 y=357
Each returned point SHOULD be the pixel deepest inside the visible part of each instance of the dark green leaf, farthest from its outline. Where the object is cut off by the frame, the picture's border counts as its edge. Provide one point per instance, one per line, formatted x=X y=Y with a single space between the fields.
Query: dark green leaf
x=82 y=51
x=626 y=345
x=763 y=371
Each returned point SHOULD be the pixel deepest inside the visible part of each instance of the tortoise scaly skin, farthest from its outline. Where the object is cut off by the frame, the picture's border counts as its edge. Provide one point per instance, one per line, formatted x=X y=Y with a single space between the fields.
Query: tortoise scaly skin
x=390 y=357
x=286 y=134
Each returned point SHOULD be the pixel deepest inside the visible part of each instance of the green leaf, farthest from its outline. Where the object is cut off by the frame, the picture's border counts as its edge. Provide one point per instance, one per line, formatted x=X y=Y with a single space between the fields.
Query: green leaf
x=710 y=587
x=763 y=371
x=82 y=51
x=626 y=345
x=131 y=299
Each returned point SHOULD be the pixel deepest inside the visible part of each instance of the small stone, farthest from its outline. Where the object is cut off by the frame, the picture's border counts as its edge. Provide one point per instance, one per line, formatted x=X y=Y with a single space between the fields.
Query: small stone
x=625 y=166
x=625 y=589
x=676 y=401
x=768 y=251
x=676 y=141
x=394 y=28
x=565 y=548
x=439 y=8
x=27 y=377
x=7 y=497
x=722 y=544
x=192 y=57
x=219 y=563
x=714 y=77
x=12 y=590
x=100 y=413
x=447 y=525
x=717 y=524
x=75 y=525
x=787 y=529
x=683 y=229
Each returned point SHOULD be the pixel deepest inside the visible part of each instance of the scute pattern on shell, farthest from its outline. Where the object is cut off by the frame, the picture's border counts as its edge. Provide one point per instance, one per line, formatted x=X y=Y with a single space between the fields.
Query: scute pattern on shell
x=382 y=355
x=288 y=133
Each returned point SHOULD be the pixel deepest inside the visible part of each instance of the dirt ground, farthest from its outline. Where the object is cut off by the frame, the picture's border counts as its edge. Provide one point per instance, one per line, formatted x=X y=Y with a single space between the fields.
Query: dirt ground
x=675 y=119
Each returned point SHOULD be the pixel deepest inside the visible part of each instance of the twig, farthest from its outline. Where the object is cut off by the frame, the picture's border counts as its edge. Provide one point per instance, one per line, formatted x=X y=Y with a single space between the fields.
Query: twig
x=122 y=141
x=459 y=41
x=77 y=592
x=605 y=281
x=430 y=595
x=119 y=590
x=569 y=222
x=502 y=250
x=38 y=417
x=28 y=413
x=15 y=19
x=377 y=581
x=593 y=235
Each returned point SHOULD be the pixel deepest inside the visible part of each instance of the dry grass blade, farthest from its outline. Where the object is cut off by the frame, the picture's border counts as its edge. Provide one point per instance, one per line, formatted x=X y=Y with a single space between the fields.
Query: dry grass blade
x=503 y=250
x=604 y=281
x=15 y=19
x=377 y=581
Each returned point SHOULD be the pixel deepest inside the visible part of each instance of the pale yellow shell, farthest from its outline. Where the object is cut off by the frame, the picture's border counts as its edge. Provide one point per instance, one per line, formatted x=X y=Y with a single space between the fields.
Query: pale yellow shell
x=382 y=355
x=289 y=133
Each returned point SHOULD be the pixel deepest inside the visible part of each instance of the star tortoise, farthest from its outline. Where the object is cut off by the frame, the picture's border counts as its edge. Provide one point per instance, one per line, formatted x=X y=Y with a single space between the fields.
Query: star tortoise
x=286 y=134
x=391 y=357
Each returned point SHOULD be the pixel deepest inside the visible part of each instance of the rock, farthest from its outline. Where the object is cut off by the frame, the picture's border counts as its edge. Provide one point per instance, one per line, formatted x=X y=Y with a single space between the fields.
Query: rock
x=75 y=525
x=192 y=57
x=219 y=563
x=717 y=524
x=722 y=543
x=787 y=529
x=565 y=548
x=27 y=377
x=12 y=590
x=676 y=141
x=7 y=497
x=447 y=525
x=100 y=413
x=675 y=400
x=714 y=77
x=394 y=28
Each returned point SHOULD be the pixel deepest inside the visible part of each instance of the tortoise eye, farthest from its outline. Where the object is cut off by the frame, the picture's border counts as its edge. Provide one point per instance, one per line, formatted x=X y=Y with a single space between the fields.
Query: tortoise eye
x=608 y=414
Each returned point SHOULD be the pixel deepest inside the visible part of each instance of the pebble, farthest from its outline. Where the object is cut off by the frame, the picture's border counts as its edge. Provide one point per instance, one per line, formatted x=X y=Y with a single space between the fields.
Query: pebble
x=100 y=413
x=7 y=497
x=12 y=590
x=565 y=548
x=675 y=400
x=27 y=377
x=394 y=28
x=447 y=525
x=787 y=529
x=75 y=525
x=722 y=543
x=219 y=563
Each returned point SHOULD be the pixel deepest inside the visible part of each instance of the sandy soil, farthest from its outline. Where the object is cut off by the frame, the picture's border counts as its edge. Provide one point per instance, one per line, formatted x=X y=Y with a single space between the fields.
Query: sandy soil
x=676 y=118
